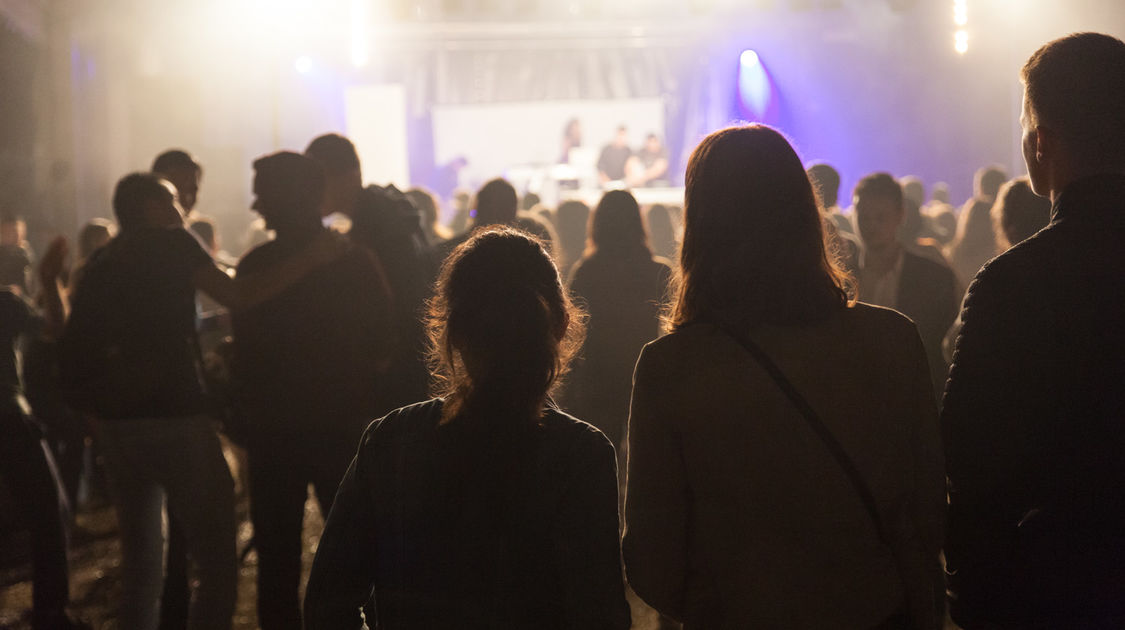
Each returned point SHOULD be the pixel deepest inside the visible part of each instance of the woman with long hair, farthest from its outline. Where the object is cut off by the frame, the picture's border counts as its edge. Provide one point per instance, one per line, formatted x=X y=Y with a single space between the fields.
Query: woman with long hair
x=486 y=507
x=623 y=287
x=784 y=461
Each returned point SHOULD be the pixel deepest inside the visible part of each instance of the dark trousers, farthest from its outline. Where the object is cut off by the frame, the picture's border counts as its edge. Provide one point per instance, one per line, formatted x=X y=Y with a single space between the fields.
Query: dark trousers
x=175 y=600
x=280 y=474
x=26 y=464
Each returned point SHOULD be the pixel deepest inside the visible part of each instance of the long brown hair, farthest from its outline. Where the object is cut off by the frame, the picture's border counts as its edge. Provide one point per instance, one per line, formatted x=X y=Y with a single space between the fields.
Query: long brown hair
x=754 y=245
x=502 y=329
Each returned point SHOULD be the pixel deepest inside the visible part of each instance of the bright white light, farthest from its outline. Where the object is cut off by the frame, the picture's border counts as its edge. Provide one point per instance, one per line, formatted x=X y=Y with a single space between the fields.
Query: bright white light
x=961 y=41
x=749 y=58
x=361 y=48
x=303 y=64
x=960 y=16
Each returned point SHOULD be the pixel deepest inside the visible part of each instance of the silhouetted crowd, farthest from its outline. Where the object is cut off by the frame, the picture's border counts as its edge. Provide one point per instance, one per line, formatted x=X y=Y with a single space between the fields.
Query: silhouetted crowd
x=866 y=417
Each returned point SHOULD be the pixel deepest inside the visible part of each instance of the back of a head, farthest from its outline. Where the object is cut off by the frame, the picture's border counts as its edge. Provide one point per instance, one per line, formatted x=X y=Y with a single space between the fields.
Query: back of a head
x=881 y=186
x=988 y=180
x=94 y=234
x=426 y=203
x=1075 y=86
x=174 y=160
x=826 y=182
x=335 y=153
x=497 y=203
x=501 y=326
x=1019 y=212
x=293 y=184
x=661 y=230
x=132 y=195
x=616 y=227
x=914 y=190
x=753 y=249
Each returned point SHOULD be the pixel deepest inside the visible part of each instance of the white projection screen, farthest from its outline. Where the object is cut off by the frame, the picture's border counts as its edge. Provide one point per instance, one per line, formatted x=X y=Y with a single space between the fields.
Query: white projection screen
x=376 y=120
x=498 y=136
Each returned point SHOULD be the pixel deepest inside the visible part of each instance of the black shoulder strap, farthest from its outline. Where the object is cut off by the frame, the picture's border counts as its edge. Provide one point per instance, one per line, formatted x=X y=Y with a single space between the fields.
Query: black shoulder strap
x=818 y=427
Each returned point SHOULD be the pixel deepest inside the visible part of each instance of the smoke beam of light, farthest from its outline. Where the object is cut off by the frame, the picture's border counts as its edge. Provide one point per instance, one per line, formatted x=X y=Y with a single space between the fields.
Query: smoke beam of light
x=754 y=87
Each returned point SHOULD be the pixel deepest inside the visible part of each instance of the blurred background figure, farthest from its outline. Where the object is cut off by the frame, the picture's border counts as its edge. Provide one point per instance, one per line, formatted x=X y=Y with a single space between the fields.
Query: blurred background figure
x=614 y=157
x=624 y=288
x=649 y=165
x=974 y=243
x=16 y=257
x=1019 y=213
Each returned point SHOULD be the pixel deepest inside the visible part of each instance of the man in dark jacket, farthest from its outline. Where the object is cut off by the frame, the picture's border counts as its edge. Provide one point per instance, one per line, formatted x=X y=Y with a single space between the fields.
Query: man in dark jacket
x=892 y=275
x=1036 y=397
x=388 y=225
x=307 y=362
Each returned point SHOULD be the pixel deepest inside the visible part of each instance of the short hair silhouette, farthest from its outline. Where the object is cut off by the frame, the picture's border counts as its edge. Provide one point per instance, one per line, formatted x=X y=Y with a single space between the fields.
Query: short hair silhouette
x=94 y=234
x=882 y=186
x=1019 y=213
x=913 y=190
x=133 y=193
x=616 y=226
x=335 y=153
x=753 y=249
x=175 y=159
x=1075 y=85
x=497 y=203
x=502 y=329
x=988 y=180
x=294 y=183
x=826 y=182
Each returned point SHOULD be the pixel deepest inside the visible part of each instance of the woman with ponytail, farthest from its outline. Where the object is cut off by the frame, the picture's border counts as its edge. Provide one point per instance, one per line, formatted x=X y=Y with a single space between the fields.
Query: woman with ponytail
x=485 y=507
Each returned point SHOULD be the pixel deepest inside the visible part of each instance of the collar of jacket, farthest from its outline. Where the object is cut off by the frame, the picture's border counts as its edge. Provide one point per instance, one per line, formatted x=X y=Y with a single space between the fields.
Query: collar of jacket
x=1097 y=198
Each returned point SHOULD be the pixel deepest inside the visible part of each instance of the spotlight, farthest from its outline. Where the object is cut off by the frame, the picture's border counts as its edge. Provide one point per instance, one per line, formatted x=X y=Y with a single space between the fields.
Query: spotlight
x=303 y=64
x=754 y=87
x=961 y=41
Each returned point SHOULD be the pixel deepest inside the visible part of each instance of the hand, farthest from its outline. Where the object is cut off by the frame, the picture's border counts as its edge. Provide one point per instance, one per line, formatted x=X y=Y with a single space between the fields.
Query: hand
x=52 y=264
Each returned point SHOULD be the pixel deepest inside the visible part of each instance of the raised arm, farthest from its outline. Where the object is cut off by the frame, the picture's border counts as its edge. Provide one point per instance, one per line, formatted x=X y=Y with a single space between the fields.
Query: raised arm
x=656 y=499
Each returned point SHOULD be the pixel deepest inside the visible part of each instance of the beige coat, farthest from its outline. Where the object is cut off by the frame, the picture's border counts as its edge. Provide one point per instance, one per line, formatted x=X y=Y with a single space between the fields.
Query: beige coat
x=737 y=514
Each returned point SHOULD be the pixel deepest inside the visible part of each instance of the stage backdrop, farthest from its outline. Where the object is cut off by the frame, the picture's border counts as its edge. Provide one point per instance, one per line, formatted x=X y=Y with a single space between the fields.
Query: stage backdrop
x=498 y=137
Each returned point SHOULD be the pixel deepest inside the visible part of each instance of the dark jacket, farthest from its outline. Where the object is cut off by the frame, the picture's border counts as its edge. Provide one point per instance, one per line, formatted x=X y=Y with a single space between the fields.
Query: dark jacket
x=465 y=526
x=927 y=294
x=1034 y=423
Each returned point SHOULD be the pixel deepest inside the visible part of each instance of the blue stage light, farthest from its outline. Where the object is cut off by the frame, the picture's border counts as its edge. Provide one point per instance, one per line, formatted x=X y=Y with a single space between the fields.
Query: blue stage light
x=754 y=87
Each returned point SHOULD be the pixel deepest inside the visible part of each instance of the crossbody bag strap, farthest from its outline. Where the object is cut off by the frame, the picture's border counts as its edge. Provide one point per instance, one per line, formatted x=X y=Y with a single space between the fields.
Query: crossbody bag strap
x=818 y=427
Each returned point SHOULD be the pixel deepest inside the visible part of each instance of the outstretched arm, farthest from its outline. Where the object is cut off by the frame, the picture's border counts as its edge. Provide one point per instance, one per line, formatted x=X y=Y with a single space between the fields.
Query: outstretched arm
x=249 y=291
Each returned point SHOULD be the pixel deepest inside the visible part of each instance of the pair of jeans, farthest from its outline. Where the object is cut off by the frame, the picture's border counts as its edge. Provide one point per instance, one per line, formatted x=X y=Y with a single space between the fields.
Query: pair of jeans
x=281 y=470
x=178 y=462
x=28 y=468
